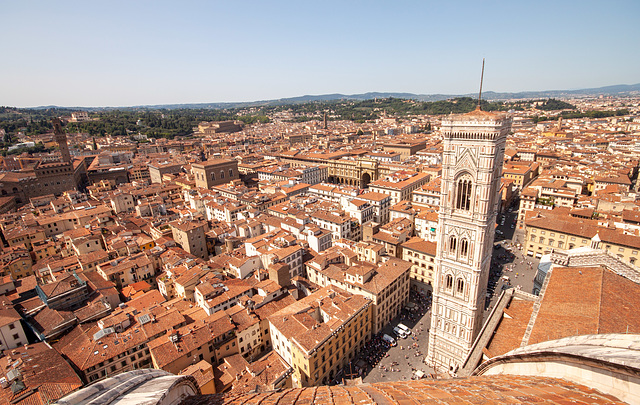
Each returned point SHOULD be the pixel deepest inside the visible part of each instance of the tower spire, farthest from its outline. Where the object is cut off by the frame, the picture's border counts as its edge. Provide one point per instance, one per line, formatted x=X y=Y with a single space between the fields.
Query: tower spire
x=481 y=79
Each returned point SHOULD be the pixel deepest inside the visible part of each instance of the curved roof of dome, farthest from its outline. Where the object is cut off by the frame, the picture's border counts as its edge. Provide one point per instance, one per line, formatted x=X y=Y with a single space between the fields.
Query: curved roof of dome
x=478 y=390
x=610 y=351
x=147 y=386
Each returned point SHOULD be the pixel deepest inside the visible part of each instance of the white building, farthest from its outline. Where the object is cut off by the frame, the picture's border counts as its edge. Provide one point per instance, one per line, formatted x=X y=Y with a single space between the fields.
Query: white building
x=11 y=333
x=473 y=150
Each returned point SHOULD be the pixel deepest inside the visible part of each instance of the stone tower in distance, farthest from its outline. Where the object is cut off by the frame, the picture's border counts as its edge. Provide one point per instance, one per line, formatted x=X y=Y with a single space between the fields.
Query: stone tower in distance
x=473 y=150
x=61 y=139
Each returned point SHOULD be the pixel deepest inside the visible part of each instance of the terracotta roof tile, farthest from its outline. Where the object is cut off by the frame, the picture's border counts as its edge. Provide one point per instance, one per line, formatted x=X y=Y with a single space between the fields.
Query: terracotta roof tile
x=586 y=300
x=496 y=389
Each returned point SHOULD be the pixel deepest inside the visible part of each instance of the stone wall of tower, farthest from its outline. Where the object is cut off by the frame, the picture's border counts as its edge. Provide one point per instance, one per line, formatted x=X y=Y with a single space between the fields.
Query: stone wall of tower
x=61 y=139
x=473 y=150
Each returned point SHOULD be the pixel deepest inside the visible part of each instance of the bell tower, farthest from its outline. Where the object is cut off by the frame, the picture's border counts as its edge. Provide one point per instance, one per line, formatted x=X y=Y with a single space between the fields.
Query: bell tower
x=473 y=150
x=61 y=139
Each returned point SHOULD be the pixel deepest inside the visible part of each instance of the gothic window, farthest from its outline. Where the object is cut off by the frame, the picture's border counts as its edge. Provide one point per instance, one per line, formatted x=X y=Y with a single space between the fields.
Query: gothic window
x=463 y=193
x=230 y=173
x=222 y=174
x=464 y=247
x=213 y=176
x=452 y=244
x=449 y=281
x=460 y=286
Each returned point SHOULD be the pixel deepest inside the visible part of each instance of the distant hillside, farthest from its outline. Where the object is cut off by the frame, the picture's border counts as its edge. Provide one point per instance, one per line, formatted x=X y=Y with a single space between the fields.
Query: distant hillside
x=616 y=90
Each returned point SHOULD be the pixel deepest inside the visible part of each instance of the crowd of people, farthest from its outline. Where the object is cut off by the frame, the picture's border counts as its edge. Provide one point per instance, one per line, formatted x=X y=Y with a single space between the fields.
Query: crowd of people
x=421 y=303
x=375 y=350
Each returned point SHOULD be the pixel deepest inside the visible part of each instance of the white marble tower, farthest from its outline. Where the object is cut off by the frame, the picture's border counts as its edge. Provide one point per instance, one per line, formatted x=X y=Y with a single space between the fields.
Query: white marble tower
x=471 y=170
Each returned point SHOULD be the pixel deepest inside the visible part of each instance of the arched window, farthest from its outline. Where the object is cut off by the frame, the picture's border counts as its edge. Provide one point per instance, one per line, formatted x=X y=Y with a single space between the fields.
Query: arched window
x=230 y=173
x=449 y=281
x=222 y=174
x=463 y=193
x=464 y=247
x=460 y=286
x=213 y=176
x=452 y=244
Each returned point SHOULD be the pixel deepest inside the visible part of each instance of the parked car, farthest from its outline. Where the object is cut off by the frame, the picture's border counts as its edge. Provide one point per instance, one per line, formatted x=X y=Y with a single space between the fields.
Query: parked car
x=389 y=339
x=399 y=333
x=404 y=328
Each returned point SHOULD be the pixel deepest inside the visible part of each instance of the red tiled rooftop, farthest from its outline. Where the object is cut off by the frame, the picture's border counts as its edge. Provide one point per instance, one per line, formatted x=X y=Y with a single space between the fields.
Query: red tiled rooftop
x=586 y=300
x=509 y=333
x=496 y=389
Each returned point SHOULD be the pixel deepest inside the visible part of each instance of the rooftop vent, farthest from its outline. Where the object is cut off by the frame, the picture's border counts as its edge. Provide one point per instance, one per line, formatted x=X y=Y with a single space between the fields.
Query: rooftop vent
x=146 y=318
x=103 y=332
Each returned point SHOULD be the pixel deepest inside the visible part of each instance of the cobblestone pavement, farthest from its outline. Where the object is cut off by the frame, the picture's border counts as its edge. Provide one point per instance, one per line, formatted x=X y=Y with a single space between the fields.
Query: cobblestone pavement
x=510 y=261
x=409 y=354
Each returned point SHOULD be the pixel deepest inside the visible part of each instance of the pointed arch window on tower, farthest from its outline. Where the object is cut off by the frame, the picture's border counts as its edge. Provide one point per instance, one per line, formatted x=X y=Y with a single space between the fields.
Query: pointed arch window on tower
x=449 y=281
x=463 y=193
x=453 y=242
x=460 y=286
x=464 y=247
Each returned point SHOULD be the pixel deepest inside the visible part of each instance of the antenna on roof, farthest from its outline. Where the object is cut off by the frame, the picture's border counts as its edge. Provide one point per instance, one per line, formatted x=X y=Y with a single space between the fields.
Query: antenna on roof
x=481 y=79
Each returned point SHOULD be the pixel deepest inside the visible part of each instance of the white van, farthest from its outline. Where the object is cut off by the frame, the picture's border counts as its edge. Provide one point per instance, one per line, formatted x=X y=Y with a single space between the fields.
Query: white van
x=389 y=339
x=399 y=333
x=404 y=328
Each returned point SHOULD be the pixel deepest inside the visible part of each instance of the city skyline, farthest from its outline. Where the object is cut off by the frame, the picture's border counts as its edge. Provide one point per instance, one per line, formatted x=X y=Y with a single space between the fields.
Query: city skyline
x=78 y=54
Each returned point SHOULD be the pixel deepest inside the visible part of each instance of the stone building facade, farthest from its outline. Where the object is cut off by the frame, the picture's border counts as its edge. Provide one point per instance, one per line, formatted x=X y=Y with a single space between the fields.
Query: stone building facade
x=214 y=172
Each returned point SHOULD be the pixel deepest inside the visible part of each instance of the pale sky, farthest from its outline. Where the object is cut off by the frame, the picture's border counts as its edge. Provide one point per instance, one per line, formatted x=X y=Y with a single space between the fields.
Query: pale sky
x=124 y=53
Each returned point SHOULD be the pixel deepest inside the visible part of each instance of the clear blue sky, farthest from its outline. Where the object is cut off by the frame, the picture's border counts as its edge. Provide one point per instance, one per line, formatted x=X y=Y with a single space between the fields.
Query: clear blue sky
x=122 y=53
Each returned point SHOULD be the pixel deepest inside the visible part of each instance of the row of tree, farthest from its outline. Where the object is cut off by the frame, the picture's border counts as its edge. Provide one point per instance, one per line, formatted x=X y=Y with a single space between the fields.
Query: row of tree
x=595 y=114
x=169 y=123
